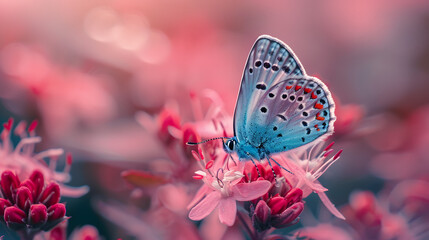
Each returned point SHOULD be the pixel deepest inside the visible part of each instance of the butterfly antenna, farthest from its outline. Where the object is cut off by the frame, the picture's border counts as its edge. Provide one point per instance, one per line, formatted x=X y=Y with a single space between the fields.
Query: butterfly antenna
x=211 y=139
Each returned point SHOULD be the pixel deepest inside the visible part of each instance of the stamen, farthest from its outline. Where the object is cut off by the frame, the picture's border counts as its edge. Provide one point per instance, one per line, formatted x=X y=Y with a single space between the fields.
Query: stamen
x=33 y=126
x=49 y=153
x=195 y=155
x=69 y=161
x=221 y=184
x=209 y=164
x=328 y=152
x=338 y=154
x=200 y=151
x=329 y=146
x=197 y=177
x=27 y=141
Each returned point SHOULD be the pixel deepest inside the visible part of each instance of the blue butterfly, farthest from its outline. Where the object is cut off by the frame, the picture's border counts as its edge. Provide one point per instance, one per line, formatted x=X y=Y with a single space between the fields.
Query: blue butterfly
x=279 y=107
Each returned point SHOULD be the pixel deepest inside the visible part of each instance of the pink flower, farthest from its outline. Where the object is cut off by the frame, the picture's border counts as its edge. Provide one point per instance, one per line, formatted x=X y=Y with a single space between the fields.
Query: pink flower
x=221 y=189
x=23 y=161
x=307 y=168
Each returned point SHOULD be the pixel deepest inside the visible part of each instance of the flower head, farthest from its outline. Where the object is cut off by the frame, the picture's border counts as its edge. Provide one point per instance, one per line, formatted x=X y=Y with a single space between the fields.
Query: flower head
x=222 y=188
x=307 y=169
x=30 y=206
x=23 y=161
x=280 y=206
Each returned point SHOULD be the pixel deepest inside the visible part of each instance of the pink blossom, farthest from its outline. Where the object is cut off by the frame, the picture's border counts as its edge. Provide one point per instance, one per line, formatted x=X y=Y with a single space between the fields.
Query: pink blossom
x=307 y=168
x=23 y=161
x=221 y=189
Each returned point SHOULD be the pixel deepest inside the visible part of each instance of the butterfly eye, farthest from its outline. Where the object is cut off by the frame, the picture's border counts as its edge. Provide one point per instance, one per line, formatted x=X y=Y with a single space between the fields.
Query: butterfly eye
x=231 y=145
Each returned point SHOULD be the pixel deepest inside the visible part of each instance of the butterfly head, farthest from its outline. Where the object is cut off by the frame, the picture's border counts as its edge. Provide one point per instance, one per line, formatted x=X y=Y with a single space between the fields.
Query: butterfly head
x=230 y=145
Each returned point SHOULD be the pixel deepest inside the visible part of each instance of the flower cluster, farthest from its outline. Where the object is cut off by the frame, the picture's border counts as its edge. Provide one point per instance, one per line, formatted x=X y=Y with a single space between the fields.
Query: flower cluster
x=30 y=206
x=280 y=206
x=23 y=161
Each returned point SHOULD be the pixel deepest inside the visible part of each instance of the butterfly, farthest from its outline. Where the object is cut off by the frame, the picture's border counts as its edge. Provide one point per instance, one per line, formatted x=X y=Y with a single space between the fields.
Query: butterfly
x=279 y=107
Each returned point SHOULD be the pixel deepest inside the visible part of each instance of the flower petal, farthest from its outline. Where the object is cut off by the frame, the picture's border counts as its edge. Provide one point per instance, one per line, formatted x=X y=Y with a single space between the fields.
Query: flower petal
x=205 y=207
x=330 y=206
x=250 y=191
x=200 y=194
x=227 y=211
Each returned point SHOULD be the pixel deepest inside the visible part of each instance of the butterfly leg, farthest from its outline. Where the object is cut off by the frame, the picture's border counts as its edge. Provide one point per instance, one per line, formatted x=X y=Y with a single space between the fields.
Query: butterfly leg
x=253 y=161
x=230 y=156
x=278 y=164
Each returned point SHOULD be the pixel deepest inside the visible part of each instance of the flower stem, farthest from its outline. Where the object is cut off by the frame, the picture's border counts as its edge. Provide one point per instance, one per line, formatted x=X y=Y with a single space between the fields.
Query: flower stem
x=27 y=235
x=251 y=233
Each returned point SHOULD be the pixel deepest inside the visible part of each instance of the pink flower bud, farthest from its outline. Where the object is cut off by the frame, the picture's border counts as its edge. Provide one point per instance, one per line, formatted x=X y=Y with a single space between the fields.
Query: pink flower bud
x=14 y=215
x=39 y=181
x=9 y=183
x=293 y=196
x=4 y=203
x=24 y=198
x=288 y=217
x=277 y=205
x=56 y=211
x=262 y=217
x=51 y=194
x=38 y=214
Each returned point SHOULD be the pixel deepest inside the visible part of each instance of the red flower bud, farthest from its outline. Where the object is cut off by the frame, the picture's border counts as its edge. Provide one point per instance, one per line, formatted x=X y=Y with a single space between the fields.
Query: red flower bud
x=24 y=198
x=288 y=217
x=293 y=196
x=38 y=214
x=56 y=211
x=51 y=194
x=4 y=203
x=14 y=215
x=262 y=216
x=277 y=205
x=9 y=183
x=30 y=185
x=39 y=181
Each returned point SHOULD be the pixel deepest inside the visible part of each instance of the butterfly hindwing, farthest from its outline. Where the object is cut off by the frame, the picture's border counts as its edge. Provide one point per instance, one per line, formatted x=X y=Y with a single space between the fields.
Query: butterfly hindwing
x=270 y=61
x=292 y=113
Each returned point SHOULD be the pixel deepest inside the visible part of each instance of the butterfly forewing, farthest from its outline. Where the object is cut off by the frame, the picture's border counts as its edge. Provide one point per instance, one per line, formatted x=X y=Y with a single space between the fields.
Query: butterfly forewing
x=270 y=61
x=292 y=113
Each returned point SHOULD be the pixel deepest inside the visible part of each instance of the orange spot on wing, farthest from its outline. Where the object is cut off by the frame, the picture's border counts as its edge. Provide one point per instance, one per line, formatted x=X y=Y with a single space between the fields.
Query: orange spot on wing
x=317 y=127
x=307 y=90
x=313 y=96
x=318 y=106
x=288 y=87
x=297 y=88
x=318 y=117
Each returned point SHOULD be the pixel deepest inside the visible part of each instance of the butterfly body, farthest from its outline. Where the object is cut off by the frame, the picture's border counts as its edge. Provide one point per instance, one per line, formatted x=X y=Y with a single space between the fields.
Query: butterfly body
x=279 y=107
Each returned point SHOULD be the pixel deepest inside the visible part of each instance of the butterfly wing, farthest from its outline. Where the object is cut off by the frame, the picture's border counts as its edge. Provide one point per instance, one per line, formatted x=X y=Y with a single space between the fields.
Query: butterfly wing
x=269 y=62
x=292 y=113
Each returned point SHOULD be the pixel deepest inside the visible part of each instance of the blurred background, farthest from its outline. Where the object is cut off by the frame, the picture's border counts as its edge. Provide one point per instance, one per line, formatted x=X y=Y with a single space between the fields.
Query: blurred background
x=85 y=68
